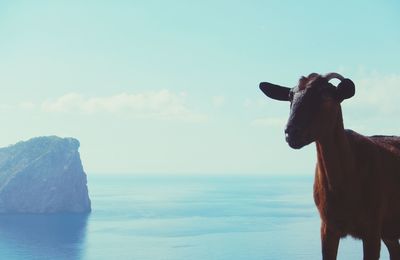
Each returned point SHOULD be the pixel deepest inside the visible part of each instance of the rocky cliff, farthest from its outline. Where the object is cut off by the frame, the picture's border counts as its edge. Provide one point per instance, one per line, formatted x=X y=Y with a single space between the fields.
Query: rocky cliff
x=43 y=175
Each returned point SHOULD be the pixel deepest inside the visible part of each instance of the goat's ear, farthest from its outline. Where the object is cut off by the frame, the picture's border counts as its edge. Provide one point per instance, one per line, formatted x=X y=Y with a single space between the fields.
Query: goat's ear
x=275 y=91
x=345 y=89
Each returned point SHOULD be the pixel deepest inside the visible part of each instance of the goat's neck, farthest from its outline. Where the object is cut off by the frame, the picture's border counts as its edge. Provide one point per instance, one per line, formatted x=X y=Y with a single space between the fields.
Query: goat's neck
x=335 y=160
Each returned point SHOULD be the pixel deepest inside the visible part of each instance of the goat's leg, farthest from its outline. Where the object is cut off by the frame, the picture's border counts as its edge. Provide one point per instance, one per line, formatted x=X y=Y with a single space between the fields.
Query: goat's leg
x=372 y=247
x=330 y=243
x=394 y=248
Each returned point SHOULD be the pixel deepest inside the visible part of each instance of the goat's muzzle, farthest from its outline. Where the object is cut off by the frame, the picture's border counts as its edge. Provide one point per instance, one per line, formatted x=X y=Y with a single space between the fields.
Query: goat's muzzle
x=294 y=137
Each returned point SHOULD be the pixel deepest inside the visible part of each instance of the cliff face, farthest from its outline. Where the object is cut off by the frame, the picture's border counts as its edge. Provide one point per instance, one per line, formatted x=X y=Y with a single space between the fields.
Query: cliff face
x=43 y=175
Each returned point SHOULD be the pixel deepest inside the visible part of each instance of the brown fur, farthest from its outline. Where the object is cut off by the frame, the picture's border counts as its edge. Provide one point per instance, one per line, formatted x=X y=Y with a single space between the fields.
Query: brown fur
x=357 y=178
x=357 y=190
x=305 y=82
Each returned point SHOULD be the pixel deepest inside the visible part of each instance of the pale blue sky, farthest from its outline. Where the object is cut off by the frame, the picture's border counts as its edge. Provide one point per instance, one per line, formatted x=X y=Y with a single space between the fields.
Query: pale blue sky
x=172 y=86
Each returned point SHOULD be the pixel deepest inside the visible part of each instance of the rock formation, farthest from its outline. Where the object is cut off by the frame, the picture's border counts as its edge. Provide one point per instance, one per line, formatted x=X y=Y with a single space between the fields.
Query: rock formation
x=43 y=175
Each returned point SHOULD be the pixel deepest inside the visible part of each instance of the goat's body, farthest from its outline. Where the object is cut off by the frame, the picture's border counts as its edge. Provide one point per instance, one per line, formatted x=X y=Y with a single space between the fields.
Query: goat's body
x=357 y=179
x=391 y=143
x=366 y=197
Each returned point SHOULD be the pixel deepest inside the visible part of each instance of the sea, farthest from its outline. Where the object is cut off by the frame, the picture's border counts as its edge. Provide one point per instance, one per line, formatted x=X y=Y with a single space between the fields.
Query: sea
x=172 y=217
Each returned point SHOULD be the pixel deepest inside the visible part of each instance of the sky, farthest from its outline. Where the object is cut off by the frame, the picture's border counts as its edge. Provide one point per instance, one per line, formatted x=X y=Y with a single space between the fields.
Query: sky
x=171 y=87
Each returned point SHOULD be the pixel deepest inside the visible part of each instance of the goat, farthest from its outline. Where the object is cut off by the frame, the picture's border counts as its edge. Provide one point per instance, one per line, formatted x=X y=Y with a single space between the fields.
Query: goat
x=357 y=178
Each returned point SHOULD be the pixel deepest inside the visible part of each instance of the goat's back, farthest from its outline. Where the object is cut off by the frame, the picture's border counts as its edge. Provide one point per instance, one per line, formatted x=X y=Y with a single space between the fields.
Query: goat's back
x=392 y=143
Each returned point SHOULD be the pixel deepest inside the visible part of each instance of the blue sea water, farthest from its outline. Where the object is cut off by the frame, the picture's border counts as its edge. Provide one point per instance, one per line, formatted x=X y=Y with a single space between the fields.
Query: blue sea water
x=179 y=217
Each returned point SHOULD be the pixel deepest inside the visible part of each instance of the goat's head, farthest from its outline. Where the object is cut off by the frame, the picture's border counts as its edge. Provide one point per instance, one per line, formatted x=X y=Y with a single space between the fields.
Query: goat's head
x=314 y=106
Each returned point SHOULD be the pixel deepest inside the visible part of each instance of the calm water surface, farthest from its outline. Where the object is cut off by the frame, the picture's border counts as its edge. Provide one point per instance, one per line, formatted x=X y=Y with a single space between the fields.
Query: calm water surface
x=172 y=217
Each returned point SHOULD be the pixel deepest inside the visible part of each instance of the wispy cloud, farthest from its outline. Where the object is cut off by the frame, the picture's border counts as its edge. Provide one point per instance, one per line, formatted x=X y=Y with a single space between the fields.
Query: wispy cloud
x=254 y=103
x=375 y=107
x=162 y=104
x=218 y=101
x=380 y=92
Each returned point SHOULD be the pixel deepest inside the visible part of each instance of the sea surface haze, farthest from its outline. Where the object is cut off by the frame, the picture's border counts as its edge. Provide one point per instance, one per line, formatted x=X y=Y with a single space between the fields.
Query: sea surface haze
x=179 y=217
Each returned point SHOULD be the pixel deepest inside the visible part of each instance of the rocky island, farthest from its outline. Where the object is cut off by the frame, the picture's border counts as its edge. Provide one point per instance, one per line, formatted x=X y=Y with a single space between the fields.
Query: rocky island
x=43 y=175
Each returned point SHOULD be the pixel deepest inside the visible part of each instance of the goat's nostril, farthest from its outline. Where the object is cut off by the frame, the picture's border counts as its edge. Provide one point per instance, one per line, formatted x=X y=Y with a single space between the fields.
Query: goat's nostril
x=291 y=131
x=286 y=137
x=294 y=136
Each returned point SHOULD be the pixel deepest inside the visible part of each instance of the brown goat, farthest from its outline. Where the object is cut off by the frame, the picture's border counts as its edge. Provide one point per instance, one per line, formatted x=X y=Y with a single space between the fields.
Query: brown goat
x=357 y=178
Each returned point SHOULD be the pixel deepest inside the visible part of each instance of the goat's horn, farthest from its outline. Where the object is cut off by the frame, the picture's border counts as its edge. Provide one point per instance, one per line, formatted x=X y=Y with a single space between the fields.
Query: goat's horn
x=334 y=75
